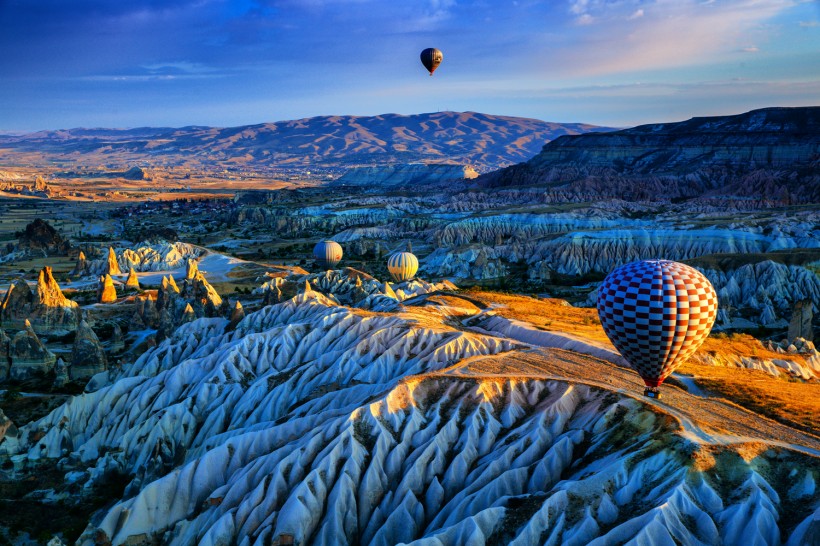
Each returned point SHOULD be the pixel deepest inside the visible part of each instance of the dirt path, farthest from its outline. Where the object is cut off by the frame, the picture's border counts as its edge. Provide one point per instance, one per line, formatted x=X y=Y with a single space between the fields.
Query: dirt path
x=711 y=420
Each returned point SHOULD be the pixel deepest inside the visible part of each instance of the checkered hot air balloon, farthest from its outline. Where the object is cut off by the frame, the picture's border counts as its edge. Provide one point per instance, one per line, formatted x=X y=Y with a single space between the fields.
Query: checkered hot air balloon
x=656 y=313
x=327 y=254
x=402 y=266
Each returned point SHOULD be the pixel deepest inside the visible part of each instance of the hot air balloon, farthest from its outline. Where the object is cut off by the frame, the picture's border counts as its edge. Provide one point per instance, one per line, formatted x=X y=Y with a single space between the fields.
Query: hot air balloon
x=656 y=313
x=327 y=253
x=431 y=58
x=402 y=266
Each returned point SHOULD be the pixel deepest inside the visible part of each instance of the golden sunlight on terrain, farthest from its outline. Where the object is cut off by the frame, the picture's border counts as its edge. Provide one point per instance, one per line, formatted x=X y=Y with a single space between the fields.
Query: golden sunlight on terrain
x=785 y=400
x=781 y=398
x=545 y=314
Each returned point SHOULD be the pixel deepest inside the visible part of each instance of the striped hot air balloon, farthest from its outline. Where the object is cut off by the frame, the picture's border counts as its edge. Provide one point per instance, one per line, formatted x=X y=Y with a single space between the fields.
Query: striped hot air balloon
x=327 y=254
x=656 y=313
x=402 y=266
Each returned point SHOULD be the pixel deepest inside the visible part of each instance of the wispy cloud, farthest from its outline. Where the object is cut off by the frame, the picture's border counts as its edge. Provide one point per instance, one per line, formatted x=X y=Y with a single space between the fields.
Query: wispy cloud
x=180 y=67
x=585 y=19
x=668 y=33
x=809 y=24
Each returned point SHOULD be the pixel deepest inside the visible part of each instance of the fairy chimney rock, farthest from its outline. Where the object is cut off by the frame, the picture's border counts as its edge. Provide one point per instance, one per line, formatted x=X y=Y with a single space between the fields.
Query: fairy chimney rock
x=132 y=281
x=112 y=267
x=238 y=313
x=108 y=294
x=191 y=268
x=87 y=356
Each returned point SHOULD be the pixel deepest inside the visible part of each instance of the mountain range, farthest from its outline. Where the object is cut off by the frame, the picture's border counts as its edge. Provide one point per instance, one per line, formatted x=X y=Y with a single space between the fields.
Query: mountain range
x=484 y=141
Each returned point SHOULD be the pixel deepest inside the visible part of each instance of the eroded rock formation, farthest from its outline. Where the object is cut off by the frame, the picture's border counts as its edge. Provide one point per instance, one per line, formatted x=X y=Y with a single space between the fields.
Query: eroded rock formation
x=40 y=235
x=111 y=266
x=81 y=267
x=87 y=355
x=5 y=355
x=29 y=357
x=106 y=292
x=237 y=315
x=47 y=309
x=800 y=325
x=191 y=268
x=132 y=281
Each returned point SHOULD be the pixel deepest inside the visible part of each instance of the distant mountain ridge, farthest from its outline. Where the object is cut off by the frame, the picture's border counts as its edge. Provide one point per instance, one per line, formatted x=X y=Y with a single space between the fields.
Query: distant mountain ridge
x=768 y=154
x=485 y=141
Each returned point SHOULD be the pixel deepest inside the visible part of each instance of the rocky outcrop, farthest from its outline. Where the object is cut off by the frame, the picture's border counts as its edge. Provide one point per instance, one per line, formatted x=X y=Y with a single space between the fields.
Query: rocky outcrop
x=764 y=154
x=40 y=184
x=61 y=375
x=117 y=341
x=191 y=268
x=188 y=314
x=40 y=235
x=800 y=325
x=106 y=292
x=29 y=357
x=473 y=262
x=172 y=284
x=52 y=311
x=581 y=252
x=174 y=306
x=111 y=265
x=237 y=315
x=7 y=428
x=799 y=360
x=17 y=303
x=137 y=173
x=167 y=293
x=132 y=282
x=408 y=175
x=81 y=267
x=87 y=355
x=5 y=355
x=200 y=291
x=149 y=257
x=761 y=291
x=48 y=309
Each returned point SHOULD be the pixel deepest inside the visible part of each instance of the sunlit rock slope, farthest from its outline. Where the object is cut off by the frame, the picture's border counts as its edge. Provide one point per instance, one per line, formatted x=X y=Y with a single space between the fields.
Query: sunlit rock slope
x=323 y=424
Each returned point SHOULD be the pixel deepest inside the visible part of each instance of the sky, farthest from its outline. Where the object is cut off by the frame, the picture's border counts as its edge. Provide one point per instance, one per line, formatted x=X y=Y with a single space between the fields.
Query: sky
x=134 y=63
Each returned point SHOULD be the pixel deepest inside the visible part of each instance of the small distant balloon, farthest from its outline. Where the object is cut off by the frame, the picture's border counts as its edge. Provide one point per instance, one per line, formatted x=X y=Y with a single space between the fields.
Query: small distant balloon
x=327 y=254
x=402 y=266
x=431 y=58
x=656 y=313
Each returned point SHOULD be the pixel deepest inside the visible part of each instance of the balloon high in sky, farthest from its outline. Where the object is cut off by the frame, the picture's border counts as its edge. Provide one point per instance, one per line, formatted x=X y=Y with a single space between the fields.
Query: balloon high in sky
x=136 y=63
x=656 y=313
x=431 y=58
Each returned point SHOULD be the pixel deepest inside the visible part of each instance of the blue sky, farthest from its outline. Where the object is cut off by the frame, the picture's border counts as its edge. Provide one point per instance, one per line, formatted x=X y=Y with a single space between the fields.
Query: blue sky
x=128 y=63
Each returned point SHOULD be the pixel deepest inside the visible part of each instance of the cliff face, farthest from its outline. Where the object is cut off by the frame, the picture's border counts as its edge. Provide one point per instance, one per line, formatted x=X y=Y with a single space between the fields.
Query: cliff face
x=773 y=154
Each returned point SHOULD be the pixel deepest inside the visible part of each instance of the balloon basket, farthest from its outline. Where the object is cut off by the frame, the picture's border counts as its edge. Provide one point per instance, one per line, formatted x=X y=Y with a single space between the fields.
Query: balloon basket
x=652 y=392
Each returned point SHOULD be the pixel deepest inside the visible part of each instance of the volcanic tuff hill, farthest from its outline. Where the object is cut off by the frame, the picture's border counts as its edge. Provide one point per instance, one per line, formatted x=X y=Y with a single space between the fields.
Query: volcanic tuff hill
x=773 y=153
x=485 y=141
